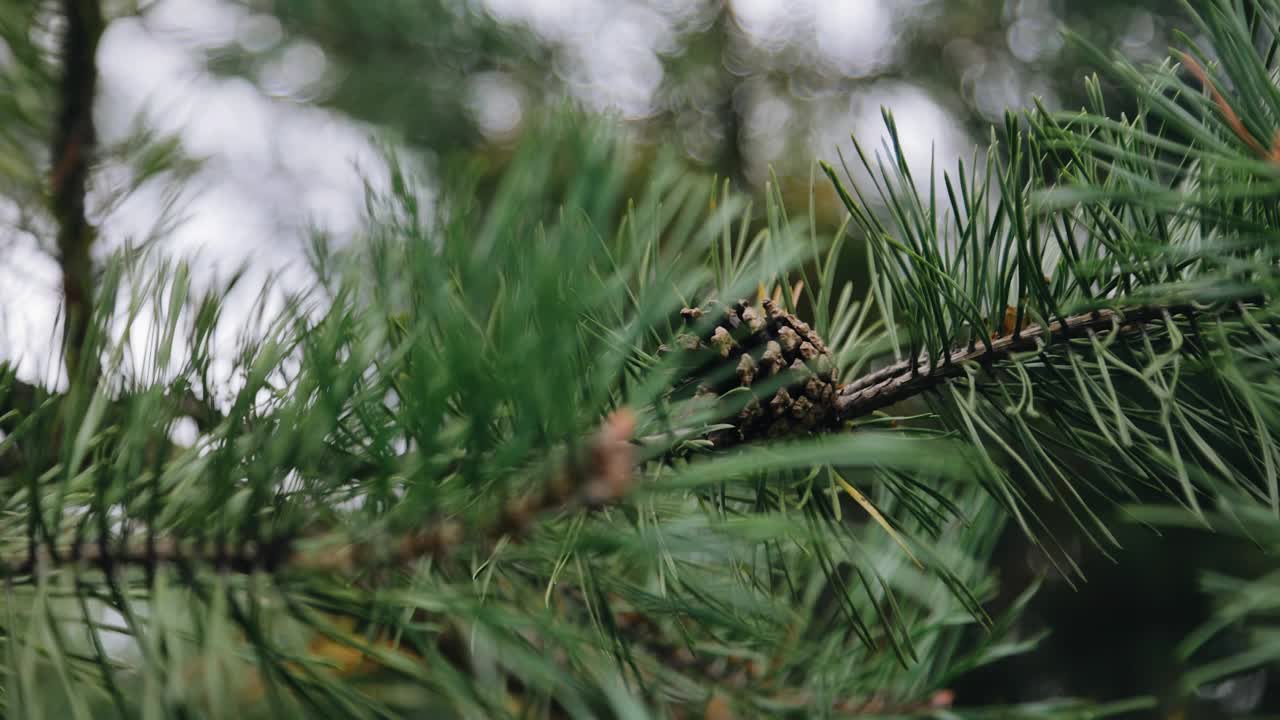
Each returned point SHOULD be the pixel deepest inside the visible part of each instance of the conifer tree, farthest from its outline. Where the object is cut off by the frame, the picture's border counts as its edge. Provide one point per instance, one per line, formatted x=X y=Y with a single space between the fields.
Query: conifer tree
x=578 y=448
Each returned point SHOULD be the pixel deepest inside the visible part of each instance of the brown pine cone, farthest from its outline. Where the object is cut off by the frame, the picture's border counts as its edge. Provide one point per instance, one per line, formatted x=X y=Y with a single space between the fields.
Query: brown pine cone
x=788 y=370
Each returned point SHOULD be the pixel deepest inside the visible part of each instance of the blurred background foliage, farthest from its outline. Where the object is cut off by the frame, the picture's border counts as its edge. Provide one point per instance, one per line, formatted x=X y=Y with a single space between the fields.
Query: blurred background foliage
x=744 y=88
x=748 y=89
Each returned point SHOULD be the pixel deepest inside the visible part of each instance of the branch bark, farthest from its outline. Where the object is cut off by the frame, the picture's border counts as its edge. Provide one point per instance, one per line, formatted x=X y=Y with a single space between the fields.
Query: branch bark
x=74 y=145
x=603 y=474
x=909 y=378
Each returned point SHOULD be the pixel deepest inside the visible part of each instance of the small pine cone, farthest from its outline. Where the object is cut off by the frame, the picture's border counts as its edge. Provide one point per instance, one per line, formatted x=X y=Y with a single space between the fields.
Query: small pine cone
x=750 y=347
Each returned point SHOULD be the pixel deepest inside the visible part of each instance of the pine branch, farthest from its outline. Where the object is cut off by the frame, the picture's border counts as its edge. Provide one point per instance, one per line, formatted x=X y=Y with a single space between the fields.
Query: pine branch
x=603 y=476
x=74 y=144
x=909 y=378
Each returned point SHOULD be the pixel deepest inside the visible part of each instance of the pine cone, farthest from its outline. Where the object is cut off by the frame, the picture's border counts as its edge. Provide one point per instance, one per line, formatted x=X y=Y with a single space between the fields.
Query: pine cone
x=748 y=348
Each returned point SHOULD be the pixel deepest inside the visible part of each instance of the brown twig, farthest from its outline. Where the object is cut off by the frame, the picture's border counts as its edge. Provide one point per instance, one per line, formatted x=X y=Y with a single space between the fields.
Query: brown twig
x=74 y=145
x=908 y=378
x=603 y=475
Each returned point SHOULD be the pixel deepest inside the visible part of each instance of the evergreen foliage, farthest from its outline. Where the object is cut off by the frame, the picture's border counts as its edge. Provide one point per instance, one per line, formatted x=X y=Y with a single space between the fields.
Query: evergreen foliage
x=466 y=472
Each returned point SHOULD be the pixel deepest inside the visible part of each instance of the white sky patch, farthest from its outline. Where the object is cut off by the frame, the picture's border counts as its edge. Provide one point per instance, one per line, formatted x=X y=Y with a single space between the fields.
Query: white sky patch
x=623 y=69
x=926 y=131
x=257 y=33
x=298 y=70
x=496 y=102
x=769 y=21
x=766 y=126
x=28 y=311
x=610 y=48
x=849 y=38
x=272 y=167
x=184 y=432
x=550 y=18
x=855 y=37
x=198 y=23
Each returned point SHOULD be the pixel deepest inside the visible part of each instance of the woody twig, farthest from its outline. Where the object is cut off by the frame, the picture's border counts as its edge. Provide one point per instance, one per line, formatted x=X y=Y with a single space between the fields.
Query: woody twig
x=73 y=147
x=602 y=475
